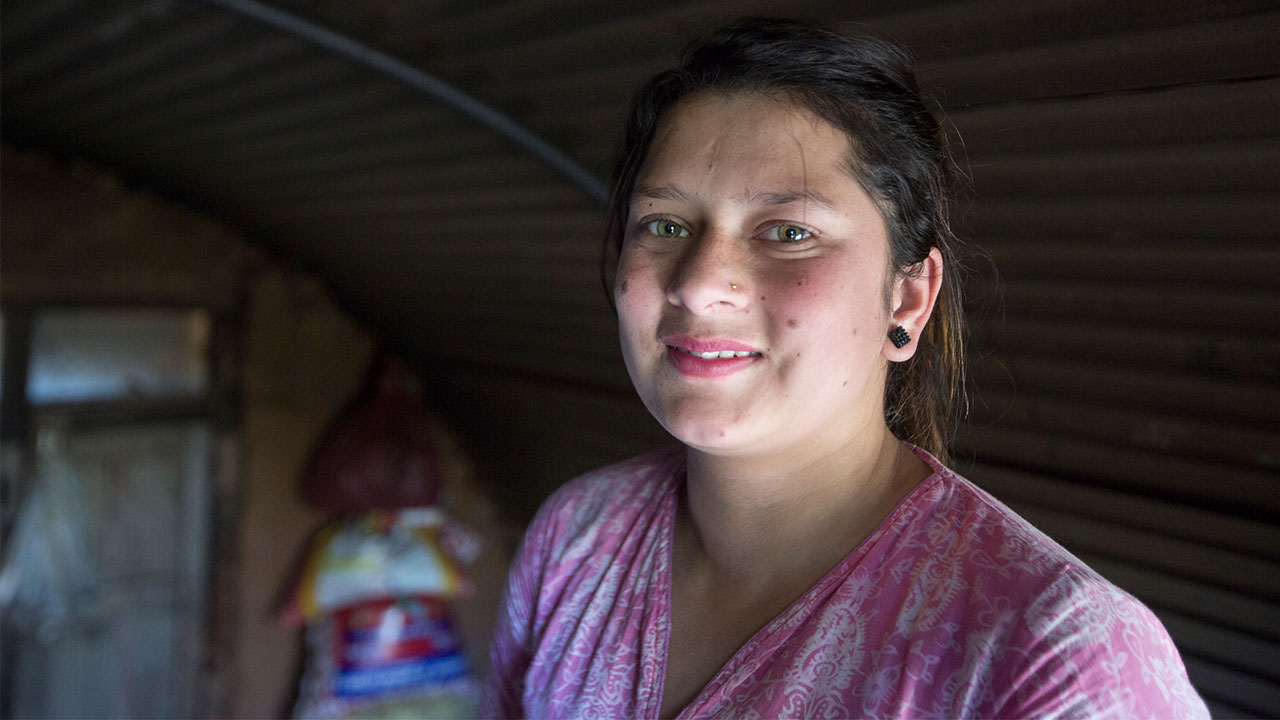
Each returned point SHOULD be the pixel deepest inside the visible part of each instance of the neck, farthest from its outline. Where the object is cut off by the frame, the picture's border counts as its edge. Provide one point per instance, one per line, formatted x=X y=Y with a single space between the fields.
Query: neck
x=756 y=521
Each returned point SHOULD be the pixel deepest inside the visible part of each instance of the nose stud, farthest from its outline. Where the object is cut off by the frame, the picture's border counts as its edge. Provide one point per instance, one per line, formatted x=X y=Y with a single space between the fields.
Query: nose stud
x=733 y=286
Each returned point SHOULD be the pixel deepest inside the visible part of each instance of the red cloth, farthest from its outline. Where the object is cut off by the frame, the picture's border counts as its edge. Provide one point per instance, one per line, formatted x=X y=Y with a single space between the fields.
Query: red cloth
x=380 y=453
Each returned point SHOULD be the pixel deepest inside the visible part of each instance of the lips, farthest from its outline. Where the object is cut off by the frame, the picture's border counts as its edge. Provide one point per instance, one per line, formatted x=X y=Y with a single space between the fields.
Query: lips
x=708 y=357
x=722 y=354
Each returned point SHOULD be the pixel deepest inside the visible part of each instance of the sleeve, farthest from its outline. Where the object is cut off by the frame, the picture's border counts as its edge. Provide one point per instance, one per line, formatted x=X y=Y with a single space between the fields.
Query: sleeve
x=511 y=651
x=1090 y=650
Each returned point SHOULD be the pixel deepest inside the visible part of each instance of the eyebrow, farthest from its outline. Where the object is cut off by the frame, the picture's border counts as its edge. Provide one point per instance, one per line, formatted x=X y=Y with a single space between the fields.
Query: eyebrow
x=664 y=192
x=667 y=192
x=787 y=198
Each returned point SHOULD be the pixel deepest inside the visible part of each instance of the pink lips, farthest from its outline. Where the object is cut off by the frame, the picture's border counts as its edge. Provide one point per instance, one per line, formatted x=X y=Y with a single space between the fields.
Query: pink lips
x=679 y=348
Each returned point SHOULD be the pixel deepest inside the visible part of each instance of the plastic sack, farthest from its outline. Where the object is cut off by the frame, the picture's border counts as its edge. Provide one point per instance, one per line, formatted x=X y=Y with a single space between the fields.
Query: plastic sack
x=386 y=658
x=380 y=453
x=50 y=571
x=382 y=554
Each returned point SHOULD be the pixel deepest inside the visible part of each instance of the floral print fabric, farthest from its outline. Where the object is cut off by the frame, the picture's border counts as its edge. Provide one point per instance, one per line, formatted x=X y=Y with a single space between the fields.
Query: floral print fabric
x=953 y=607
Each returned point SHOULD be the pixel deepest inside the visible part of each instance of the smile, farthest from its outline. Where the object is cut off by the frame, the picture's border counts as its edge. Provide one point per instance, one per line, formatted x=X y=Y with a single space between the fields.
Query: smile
x=722 y=354
x=709 y=358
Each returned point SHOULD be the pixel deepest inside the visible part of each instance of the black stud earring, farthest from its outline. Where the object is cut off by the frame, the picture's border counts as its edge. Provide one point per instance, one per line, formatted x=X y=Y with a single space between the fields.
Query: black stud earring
x=899 y=336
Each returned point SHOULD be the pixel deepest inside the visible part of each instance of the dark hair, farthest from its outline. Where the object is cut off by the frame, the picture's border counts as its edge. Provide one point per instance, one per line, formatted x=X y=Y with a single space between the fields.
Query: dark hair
x=867 y=88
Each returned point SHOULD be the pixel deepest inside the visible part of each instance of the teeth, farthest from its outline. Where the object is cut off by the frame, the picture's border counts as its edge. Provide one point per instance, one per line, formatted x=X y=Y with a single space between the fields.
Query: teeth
x=719 y=355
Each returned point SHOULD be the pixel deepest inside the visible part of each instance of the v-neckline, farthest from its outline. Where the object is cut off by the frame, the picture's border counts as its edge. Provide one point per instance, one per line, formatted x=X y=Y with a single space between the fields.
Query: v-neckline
x=840 y=569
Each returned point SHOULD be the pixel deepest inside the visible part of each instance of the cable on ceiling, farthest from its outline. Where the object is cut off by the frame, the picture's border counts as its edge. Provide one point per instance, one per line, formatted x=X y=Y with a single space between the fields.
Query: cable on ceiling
x=451 y=96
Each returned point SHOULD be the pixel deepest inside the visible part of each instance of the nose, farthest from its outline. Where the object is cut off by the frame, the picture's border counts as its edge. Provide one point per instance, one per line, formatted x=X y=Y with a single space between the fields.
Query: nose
x=710 y=277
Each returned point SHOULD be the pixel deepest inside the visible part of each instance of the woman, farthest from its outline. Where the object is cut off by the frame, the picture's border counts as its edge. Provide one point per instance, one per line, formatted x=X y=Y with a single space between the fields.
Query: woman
x=788 y=310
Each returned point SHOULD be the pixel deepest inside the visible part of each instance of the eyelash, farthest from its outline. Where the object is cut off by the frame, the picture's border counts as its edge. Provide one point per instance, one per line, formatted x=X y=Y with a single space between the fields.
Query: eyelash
x=806 y=231
x=651 y=227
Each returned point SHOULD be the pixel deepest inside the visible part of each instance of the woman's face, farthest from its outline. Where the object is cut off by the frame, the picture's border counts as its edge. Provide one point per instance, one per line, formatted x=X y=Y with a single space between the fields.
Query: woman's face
x=749 y=239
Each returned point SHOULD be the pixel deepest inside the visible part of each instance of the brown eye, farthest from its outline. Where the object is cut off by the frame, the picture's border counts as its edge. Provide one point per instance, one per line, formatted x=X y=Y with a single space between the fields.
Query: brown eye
x=666 y=229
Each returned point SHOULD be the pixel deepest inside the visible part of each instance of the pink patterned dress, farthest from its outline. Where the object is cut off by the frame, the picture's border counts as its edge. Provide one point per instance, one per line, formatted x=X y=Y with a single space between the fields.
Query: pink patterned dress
x=953 y=607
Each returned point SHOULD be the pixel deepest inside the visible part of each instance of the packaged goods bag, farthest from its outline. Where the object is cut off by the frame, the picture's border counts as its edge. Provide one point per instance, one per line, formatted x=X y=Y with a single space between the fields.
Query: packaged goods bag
x=383 y=553
x=393 y=657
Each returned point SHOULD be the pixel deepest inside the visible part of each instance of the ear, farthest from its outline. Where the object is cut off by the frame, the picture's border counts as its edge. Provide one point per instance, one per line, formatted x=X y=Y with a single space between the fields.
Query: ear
x=914 y=295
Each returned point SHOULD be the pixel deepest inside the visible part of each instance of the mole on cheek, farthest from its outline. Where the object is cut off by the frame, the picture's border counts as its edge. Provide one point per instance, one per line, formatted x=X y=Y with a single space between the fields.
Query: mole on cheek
x=622 y=289
x=791 y=323
x=763 y=297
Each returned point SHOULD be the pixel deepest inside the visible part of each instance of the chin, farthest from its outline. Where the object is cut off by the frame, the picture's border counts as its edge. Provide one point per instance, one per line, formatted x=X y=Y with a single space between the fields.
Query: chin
x=712 y=435
x=706 y=439
x=700 y=420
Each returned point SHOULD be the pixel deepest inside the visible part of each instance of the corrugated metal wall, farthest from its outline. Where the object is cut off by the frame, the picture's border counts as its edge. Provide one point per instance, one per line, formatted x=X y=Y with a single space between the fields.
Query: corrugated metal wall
x=1124 y=157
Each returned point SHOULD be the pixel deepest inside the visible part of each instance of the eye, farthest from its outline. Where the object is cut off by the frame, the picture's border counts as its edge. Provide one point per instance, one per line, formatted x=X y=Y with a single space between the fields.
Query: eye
x=788 y=233
x=666 y=229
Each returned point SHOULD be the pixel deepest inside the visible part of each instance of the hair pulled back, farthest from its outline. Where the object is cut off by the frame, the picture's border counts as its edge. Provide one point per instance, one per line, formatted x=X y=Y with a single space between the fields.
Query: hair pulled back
x=867 y=88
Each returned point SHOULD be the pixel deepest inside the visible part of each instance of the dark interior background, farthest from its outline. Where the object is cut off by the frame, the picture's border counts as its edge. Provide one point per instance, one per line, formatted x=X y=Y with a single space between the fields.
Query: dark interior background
x=1123 y=159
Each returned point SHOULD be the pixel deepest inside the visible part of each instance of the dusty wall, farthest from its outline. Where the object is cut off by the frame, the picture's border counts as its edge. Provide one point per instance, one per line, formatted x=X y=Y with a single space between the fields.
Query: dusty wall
x=302 y=360
x=75 y=234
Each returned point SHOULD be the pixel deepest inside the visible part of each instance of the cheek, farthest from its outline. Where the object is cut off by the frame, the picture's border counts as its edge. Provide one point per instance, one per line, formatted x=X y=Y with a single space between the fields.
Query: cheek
x=635 y=291
x=623 y=280
x=801 y=302
x=830 y=306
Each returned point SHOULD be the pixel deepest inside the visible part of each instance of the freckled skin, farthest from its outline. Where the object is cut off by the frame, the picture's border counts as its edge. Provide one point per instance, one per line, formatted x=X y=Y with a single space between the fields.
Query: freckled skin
x=720 y=155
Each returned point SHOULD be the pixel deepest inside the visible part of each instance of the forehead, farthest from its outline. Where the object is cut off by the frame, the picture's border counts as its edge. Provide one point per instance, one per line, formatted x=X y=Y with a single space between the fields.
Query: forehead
x=746 y=139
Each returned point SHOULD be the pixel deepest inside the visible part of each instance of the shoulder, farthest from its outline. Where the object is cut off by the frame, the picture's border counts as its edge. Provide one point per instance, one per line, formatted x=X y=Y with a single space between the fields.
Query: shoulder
x=1002 y=555
x=598 y=500
x=1086 y=648
x=631 y=481
x=561 y=564
x=953 y=518
x=588 y=518
x=1063 y=640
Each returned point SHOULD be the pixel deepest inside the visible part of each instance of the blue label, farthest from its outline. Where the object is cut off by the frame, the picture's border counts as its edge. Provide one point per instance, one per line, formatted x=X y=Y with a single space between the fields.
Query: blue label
x=398 y=677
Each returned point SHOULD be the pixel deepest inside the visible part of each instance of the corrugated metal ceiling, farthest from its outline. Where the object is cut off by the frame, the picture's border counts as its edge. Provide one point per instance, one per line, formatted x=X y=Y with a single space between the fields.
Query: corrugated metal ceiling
x=446 y=235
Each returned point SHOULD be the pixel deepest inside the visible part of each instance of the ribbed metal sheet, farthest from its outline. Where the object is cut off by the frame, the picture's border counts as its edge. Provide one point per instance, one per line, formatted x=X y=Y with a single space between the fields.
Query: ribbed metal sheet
x=1124 y=161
